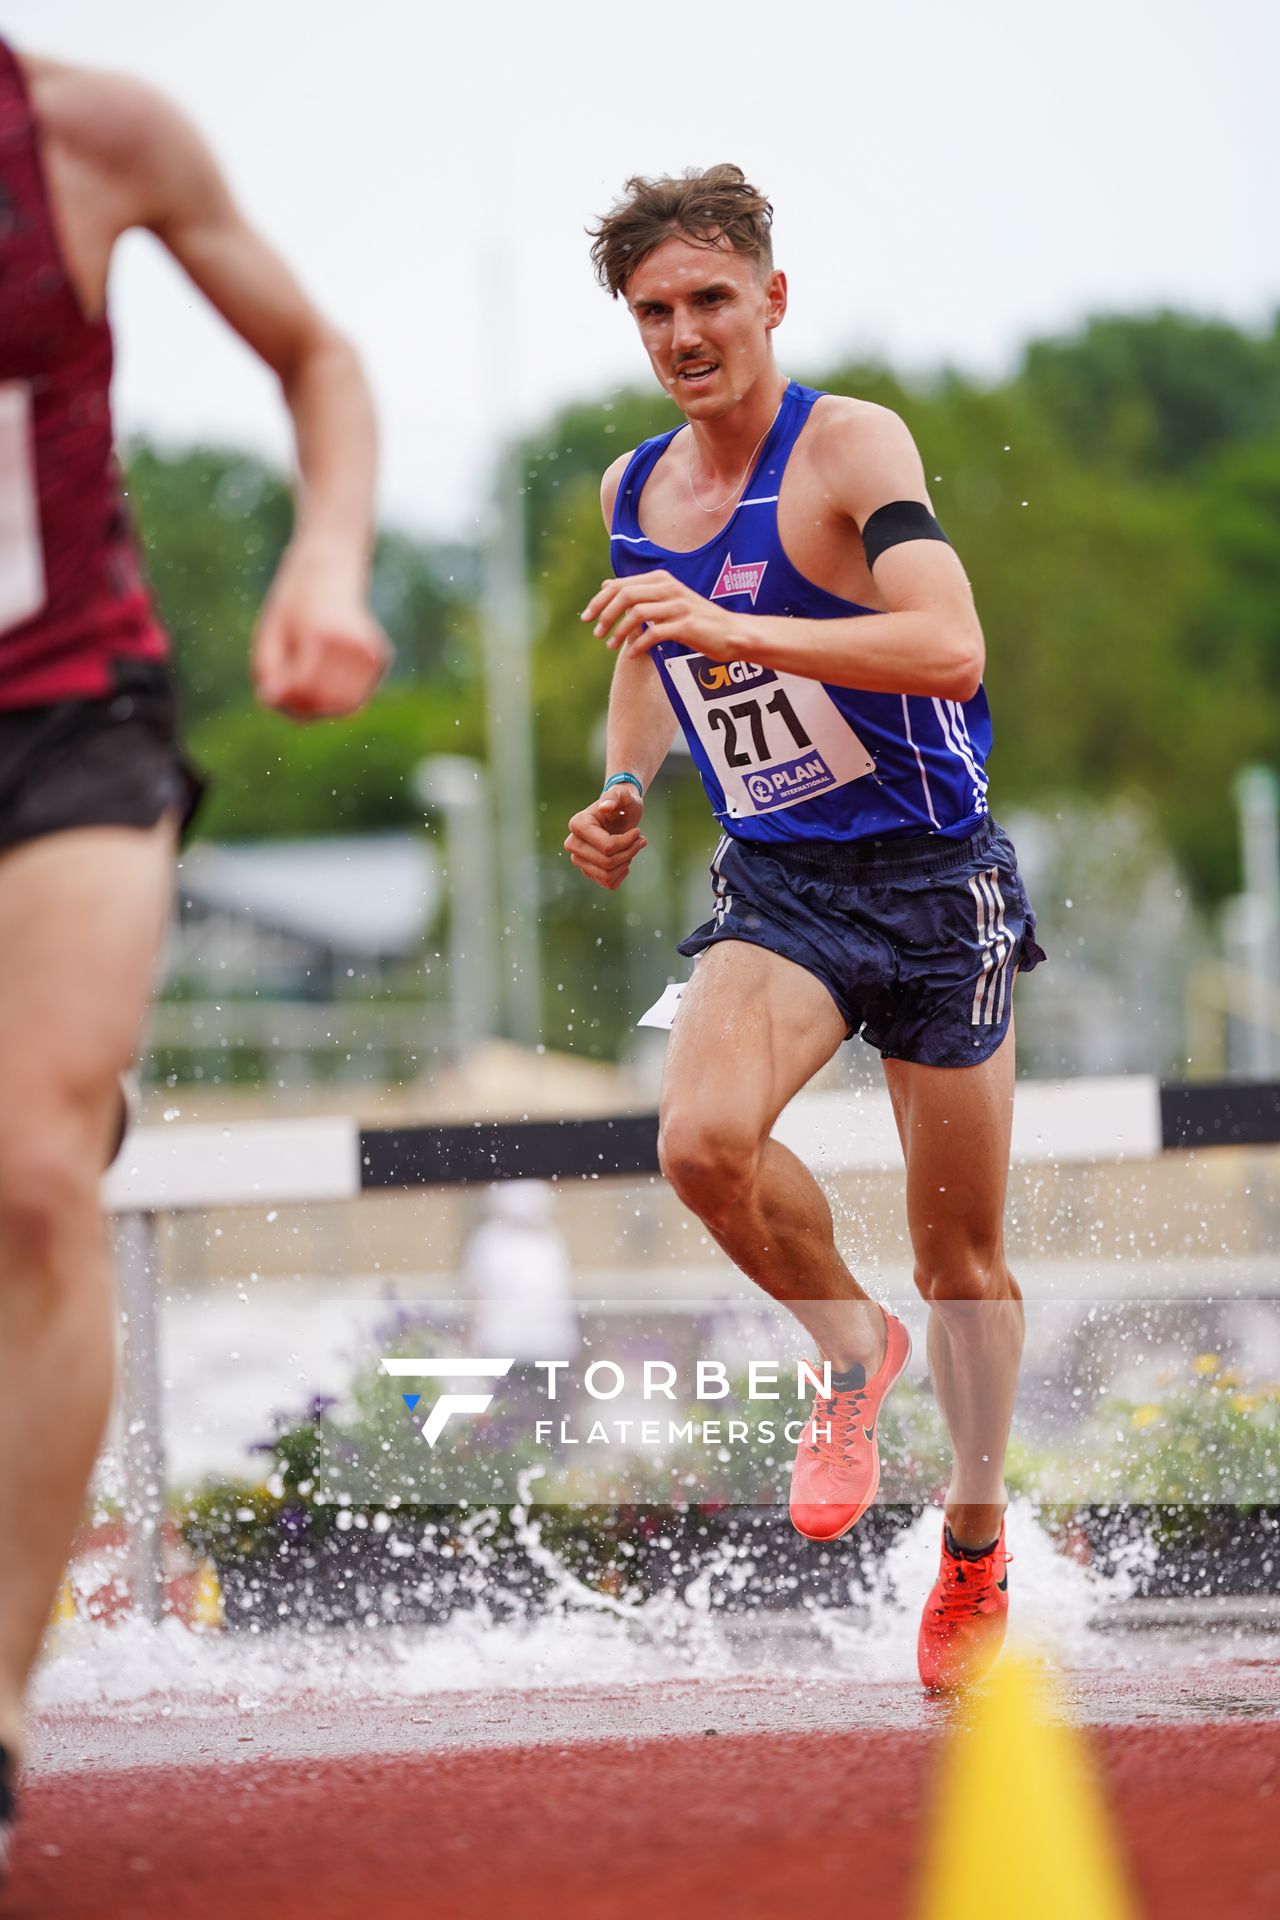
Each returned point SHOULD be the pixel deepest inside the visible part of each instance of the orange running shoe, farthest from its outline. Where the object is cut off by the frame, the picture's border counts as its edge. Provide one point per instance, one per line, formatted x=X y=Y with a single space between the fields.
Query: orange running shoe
x=837 y=1469
x=964 y=1620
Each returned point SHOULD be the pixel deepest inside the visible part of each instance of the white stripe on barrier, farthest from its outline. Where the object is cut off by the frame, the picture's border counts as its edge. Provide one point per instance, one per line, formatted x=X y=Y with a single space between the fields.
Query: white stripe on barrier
x=262 y=1162
x=274 y=1162
x=1069 y=1122
x=841 y=1132
x=1114 y=1117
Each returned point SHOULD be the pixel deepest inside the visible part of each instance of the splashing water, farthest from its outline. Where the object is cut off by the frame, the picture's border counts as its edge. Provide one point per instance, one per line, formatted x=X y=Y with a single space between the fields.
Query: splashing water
x=586 y=1638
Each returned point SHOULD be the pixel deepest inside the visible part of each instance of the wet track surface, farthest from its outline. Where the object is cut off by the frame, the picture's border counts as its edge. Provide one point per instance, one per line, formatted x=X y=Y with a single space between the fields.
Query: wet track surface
x=735 y=1824
x=611 y=1764
x=1184 y=1683
x=745 y=1796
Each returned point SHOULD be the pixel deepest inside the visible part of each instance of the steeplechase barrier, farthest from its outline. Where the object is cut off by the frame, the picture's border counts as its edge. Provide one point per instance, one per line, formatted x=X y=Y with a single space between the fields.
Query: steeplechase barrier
x=196 y=1168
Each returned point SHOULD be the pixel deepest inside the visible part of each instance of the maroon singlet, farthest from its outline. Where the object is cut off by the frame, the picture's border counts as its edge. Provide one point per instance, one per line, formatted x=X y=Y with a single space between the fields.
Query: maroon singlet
x=72 y=596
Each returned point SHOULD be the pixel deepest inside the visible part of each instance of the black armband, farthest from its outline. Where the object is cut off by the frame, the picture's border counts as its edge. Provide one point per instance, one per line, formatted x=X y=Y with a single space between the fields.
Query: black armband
x=901 y=520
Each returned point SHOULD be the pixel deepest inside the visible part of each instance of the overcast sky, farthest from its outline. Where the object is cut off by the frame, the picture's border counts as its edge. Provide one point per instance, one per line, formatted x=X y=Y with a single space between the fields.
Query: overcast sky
x=948 y=180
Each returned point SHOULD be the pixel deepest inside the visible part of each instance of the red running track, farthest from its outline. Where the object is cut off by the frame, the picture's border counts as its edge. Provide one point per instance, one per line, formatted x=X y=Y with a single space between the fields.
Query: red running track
x=729 y=1827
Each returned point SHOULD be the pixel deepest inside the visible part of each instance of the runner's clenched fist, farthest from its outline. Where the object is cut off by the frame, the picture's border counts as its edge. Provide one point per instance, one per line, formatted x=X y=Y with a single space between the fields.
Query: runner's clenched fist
x=605 y=837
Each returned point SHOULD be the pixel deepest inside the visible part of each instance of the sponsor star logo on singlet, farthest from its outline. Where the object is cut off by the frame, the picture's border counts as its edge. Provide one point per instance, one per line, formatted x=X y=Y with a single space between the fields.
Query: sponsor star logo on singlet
x=746 y=578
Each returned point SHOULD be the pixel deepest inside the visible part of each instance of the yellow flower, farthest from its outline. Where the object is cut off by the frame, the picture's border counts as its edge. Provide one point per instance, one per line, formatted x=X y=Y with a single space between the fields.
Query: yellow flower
x=1206 y=1364
x=1230 y=1377
x=1245 y=1402
x=1144 y=1416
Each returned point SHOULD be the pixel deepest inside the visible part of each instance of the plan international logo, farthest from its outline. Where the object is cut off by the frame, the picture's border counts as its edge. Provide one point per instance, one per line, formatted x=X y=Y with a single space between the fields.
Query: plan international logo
x=747 y=578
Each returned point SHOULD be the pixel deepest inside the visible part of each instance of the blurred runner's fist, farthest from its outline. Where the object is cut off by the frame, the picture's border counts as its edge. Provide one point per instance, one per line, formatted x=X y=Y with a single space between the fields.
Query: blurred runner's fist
x=317 y=651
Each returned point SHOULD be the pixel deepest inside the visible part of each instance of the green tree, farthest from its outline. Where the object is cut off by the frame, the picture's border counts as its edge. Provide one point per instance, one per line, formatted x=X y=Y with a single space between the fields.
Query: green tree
x=1115 y=504
x=1156 y=393
x=214 y=523
x=1114 y=501
x=273 y=778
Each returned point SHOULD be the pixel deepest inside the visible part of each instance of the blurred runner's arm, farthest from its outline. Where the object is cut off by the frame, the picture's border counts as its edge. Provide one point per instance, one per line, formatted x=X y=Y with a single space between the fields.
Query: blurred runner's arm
x=317 y=648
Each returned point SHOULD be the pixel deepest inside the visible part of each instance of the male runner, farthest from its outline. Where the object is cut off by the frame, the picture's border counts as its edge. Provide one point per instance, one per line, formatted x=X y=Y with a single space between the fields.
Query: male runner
x=93 y=789
x=783 y=592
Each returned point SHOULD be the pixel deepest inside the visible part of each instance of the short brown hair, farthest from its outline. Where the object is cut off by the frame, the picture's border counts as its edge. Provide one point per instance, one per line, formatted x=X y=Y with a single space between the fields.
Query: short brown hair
x=706 y=206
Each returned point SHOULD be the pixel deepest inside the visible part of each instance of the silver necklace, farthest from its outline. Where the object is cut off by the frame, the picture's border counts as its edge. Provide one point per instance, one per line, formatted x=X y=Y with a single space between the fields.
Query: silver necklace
x=746 y=475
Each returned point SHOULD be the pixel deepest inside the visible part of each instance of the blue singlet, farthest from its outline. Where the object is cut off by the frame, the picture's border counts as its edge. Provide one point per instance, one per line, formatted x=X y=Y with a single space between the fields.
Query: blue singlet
x=783 y=757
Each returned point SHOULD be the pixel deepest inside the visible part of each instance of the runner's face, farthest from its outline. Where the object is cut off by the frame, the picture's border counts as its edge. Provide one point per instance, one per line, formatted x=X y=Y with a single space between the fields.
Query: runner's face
x=705 y=316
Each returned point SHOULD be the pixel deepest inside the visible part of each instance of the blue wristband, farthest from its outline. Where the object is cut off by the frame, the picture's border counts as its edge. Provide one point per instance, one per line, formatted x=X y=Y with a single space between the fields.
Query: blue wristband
x=616 y=779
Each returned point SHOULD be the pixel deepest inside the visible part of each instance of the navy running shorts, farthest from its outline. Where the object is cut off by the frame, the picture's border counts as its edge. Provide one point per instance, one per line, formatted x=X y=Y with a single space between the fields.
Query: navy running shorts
x=917 y=941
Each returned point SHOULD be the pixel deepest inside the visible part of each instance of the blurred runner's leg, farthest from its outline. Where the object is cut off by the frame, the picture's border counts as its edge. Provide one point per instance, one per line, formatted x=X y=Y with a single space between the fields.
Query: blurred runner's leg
x=82 y=918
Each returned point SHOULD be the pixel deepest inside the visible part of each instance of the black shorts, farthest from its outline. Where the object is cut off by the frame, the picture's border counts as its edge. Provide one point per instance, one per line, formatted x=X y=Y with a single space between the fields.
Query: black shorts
x=114 y=762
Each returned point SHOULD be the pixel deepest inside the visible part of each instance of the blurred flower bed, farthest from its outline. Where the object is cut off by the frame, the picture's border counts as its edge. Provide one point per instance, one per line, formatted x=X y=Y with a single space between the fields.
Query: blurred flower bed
x=1192 y=1479
x=1208 y=1438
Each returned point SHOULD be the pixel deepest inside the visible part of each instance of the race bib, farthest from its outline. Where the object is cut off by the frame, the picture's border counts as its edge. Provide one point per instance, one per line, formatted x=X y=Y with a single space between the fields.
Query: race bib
x=22 y=587
x=773 y=739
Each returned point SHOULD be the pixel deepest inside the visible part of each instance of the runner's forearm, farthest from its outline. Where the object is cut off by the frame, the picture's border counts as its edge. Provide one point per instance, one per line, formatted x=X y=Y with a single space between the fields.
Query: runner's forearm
x=336 y=436
x=642 y=724
x=875 y=652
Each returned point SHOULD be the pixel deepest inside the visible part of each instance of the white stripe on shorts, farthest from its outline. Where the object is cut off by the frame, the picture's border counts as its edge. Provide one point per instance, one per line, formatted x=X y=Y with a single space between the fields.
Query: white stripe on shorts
x=1004 y=940
x=997 y=948
x=723 y=898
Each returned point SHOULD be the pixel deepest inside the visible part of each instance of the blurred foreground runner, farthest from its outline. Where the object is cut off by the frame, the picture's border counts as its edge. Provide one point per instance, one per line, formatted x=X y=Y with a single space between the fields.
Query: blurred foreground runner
x=783 y=592
x=93 y=786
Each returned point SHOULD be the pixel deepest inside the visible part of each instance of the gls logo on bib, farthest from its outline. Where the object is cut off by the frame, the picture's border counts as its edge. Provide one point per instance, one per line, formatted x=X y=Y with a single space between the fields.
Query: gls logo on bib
x=715 y=678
